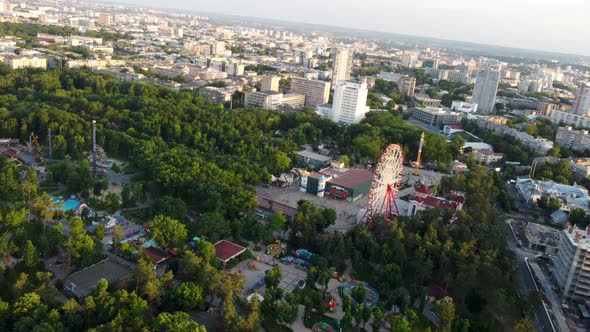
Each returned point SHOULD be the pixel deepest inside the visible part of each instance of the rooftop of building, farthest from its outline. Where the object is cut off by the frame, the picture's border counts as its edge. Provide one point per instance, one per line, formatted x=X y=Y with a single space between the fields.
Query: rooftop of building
x=577 y=236
x=273 y=206
x=85 y=280
x=436 y=110
x=348 y=177
x=226 y=250
x=313 y=155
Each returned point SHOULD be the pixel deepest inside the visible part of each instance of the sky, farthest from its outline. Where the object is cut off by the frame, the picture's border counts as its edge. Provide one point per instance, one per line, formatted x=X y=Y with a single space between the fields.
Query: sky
x=549 y=25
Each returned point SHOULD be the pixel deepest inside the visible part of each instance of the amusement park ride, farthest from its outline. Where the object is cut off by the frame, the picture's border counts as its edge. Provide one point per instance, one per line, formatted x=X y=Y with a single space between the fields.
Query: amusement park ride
x=386 y=184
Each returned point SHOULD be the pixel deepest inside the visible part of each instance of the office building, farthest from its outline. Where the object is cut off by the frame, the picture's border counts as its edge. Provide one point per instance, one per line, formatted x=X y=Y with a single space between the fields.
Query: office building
x=269 y=83
x=407 y=85
x=342 y=66
x=105 y=19
x=315 y=92
x=350 y=102
x=486 y=87
x=436 y=116
x=578 y=140
x=267 y=100
x=572 y=264
x=582 y=102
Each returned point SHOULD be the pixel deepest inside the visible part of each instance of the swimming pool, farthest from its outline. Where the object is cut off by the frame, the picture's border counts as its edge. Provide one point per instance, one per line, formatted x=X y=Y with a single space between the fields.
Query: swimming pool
x=67 y=203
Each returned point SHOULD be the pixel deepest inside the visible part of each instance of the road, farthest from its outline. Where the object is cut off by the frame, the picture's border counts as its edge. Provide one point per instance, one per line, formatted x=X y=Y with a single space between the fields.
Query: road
x=527 y=285
x=554 y=299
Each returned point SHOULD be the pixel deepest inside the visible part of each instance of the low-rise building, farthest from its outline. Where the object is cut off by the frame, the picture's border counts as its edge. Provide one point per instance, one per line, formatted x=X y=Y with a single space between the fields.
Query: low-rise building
x=465 y=107
x=20 y=62
x=216 y=95
x=424 y=199
x=571 y=197
x=424 y=99
x=115 y=270
x=436 y=116
x=566 y=118
x=267 y=100
x=313 y=159
x=498 y=125
x=578 y=140
x=294 y=100
x=452 y=129
x=485 y=156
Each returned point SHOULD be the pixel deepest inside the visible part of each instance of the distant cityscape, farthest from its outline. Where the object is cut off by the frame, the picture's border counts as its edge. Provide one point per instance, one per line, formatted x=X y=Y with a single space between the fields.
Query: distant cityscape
x=484 y=140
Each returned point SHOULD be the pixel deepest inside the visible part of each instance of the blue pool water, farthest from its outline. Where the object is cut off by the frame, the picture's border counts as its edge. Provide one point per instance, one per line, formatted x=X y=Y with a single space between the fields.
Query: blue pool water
x=67 y=203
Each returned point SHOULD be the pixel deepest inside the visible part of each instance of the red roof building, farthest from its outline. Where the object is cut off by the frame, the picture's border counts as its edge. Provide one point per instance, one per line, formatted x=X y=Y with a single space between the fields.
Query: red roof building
x=156 y=255
x=424 y=200
x=226 y=250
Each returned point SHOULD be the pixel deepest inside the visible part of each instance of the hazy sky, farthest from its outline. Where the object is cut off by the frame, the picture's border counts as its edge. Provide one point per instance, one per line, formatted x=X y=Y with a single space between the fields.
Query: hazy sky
x=552 y=25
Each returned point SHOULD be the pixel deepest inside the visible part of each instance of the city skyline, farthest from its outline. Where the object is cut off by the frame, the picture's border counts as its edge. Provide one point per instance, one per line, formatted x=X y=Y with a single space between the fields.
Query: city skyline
x=481 y=22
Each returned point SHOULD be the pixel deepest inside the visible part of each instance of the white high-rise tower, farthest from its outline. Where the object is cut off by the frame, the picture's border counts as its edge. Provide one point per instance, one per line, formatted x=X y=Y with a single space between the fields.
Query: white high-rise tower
x=342 y=66
x=486 y=87
x=582 y=102
x=350 y=102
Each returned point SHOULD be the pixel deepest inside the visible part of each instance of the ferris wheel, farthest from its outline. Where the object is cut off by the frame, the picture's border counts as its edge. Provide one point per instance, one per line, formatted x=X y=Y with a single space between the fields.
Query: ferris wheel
x=386 y=184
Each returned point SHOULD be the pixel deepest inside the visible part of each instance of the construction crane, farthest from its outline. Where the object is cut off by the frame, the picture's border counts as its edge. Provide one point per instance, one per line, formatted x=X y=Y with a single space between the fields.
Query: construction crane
x=417 y=166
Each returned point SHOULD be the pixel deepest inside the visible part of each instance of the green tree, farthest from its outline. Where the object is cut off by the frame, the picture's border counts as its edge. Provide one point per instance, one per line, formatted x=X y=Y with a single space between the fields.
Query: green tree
x=377 y=319
x=359 y=293
x=174 y=208
x=400 y=324
x=167 y=232
x=127 y=199
x=524 y=325
x=188 y=296
x=30 y=256
x=272 y=277
x=447 y=315
x=118 y=233
x=112 y=202
x=176 y=322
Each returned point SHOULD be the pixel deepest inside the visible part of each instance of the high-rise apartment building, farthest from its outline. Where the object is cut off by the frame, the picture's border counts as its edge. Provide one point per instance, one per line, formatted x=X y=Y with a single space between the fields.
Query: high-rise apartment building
x=409 y=60
x=582 y=102
x=315 y=92
x=350 y=102
x=342 y=66
x=218 y=48
x=269 y=83
x=407 y=85
x=486 y=87
x=572 y=264
x=105 y=19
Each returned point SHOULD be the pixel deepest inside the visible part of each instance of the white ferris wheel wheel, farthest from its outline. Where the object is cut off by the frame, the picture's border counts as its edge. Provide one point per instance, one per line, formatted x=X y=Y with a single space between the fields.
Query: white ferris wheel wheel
x=386 y=183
